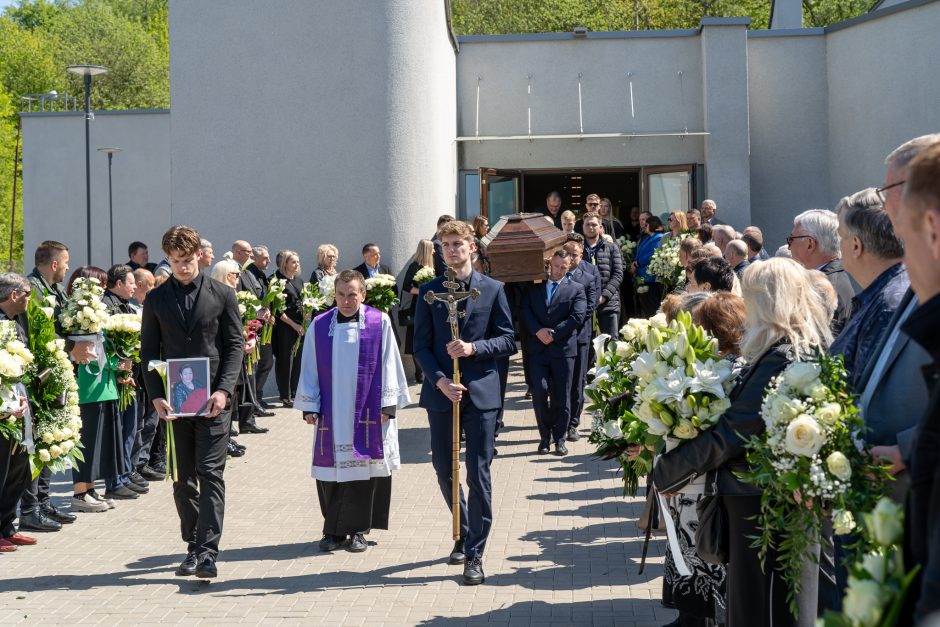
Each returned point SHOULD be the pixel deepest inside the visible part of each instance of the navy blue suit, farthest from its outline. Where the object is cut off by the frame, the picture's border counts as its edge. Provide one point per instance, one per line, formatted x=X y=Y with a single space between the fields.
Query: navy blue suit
x=590 y=279
x=552 y=365
x=487 y=323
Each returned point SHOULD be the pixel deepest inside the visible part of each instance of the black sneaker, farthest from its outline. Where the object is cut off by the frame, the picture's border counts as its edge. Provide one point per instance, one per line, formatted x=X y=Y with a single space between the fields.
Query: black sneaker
x=358 y=543
x=457 y=556
x=121 y=493
x=138 y=479
x=152 y=474
x=473 y=572
x=139 y=489
x=573 y=435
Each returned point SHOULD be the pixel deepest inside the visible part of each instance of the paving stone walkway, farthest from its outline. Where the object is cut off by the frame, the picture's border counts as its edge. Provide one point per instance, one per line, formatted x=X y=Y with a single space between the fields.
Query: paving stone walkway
x=564 y=548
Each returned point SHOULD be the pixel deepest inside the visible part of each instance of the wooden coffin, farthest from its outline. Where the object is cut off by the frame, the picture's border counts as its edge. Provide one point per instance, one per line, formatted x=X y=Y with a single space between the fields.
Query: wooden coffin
x=519 y=247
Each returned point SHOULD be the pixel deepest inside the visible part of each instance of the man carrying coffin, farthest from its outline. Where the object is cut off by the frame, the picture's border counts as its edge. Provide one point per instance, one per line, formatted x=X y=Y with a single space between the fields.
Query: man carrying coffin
x=351 y=381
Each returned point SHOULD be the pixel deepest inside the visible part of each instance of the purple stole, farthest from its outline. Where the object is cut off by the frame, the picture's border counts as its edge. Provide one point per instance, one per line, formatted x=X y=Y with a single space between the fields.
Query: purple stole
x=367 y=420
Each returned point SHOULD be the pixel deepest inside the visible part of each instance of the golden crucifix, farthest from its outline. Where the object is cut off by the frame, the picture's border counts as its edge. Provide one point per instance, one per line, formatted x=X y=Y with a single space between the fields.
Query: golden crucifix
x=323 y=428
x=451 y=298
x=367 y=423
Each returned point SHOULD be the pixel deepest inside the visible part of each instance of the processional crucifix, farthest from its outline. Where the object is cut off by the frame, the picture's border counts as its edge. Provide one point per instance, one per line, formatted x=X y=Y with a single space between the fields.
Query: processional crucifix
x=451 y=298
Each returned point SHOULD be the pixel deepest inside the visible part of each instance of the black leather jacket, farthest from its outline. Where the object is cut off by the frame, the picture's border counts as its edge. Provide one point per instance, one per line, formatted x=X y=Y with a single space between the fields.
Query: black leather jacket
x=720 y=450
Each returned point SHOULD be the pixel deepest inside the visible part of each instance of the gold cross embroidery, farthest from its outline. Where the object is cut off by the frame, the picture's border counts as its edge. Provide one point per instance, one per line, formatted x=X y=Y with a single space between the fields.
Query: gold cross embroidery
x=322 y=428
x=367 y=422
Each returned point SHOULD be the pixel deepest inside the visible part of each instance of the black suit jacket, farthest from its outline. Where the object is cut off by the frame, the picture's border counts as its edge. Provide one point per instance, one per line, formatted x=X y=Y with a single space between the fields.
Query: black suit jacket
x=845 y=291
x=364 y=270
x=249 y=282
x=214 y=331
x=564 y=315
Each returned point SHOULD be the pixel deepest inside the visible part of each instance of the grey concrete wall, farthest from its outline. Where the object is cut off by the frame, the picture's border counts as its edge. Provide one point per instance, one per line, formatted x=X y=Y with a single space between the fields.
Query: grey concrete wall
x=788 y=107
x=884 y=88
x=661 y=101
x=300 y=122
x=54 y=182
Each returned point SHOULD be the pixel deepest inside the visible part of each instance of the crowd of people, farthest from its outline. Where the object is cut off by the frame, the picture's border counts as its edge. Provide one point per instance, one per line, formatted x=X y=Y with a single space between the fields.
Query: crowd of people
x=860 y=282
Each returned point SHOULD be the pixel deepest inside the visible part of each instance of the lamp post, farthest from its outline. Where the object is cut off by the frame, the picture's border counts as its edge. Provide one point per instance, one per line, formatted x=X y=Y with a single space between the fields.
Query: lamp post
x=86 y=72
x=110 y=152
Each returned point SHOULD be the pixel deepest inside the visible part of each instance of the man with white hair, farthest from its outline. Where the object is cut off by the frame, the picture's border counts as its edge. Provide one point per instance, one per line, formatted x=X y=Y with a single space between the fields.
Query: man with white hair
x=814 y=242
x=736 y=255
x=708 y=209
x=721 y=235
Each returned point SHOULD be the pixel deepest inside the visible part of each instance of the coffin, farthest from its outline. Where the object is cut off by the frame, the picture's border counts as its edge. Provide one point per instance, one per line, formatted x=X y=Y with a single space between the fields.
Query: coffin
x=519 y=246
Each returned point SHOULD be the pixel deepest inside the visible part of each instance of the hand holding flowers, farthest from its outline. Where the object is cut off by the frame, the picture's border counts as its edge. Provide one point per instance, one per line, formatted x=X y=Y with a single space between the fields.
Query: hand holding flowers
x=423 y=275
x=84 y=313
x=665 y=266
x=274 y=301
x=310 y=303
x=15 y=360
x=122 y=336
x=380 y=292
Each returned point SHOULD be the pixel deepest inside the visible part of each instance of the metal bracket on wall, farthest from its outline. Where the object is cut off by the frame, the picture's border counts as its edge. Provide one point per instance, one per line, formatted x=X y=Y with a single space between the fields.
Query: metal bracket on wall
x=580 y=109
x=479 y=78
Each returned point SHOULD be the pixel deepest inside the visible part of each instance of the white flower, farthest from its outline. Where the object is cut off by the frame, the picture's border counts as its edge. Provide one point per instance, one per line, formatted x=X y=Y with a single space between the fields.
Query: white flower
x=643 y=367
x=55 y=451
x=673 y=387
x=599 y=342
x=659 y=321
x=656 y=426
x=864 y=602
x=48 y=438
x=710 y=377
x=818 y=392
x=684 y=430
x=842 y=522
x=44 y=455
x=801 y=375
x=160 y=366
x=829 y=413
x=612 y=429
x=804 y=436
x=886 y=522
x=838 y=464
x=875 y=564
x=623 y=349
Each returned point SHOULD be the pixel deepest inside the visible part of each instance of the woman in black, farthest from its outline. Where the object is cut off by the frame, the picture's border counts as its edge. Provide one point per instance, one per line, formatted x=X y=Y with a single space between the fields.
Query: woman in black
x=424 y=258
x=288 y=328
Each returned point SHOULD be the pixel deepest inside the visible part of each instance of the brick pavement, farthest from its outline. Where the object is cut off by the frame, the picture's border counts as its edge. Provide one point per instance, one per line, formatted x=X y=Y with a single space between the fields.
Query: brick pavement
x=564 y=548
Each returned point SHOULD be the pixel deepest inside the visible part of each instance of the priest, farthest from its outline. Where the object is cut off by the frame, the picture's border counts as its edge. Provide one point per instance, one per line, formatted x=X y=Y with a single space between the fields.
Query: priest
x=351 y=382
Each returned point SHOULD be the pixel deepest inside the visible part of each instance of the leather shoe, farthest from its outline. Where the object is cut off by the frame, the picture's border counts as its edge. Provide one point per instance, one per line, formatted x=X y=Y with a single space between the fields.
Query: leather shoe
x=60 y=517
x=20 y=540
x=473 y=572
x=38 y=521
x=206 y=568
x=149 y=473
x=7 y=547
x=331 y=543
x=121 y=493
x=357 y=543
x=234 y=451
x=544 y=448
x=263 y=413
x=560 y=449
x=573 y=435
x=250 y=428
x=457 y=555
x=187 y=567
x=136 y=487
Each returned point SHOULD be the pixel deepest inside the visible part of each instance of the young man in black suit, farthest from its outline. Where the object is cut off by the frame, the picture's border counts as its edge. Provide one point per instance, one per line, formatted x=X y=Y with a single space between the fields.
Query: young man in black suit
x=553 y=312
x=190 y=315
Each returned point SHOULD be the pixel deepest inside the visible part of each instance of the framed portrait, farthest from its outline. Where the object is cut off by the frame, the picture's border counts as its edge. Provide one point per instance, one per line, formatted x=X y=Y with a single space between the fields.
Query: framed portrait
x=188 y=386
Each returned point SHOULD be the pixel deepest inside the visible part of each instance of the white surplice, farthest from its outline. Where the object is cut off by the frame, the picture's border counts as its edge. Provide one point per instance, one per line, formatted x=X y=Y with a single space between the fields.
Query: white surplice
x=345 y=363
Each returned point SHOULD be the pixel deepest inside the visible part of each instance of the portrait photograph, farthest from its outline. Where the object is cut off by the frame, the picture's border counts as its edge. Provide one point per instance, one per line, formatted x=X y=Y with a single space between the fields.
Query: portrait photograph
x=188 y=384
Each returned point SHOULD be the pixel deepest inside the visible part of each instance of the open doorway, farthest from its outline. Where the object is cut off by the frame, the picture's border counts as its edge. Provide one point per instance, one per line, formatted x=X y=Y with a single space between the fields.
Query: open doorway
x=622 y=188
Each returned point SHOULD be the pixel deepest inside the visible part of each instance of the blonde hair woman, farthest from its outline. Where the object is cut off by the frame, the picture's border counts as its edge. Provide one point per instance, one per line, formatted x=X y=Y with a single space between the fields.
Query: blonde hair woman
x=226 y=271
x=327 y=258
x=677 y=225
x=785 y=320
x=288 y=327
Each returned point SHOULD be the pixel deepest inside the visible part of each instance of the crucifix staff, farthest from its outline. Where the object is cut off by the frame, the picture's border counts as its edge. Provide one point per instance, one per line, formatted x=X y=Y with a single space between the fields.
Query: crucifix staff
x=451 y=298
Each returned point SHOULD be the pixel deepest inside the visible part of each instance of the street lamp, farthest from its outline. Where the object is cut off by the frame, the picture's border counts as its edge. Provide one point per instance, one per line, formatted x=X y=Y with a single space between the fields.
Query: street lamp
x=110 y=152
x=87 y=71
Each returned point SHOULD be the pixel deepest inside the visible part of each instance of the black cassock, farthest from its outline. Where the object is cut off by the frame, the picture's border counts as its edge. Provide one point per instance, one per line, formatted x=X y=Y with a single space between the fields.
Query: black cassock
x=350 y=507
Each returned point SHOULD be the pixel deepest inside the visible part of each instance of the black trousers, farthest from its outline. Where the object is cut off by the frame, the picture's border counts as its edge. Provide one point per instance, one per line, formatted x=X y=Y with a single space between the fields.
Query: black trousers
x=286 y=370
x=158 y=448
x=650 y=300
x=354 y=506
x=578 y=380
x=476 y=512
x=201 y=447
x=14 y=478
x=36 y=495
x=551 y=394
x=263 y=369
x=608 y=321
x=149 y=429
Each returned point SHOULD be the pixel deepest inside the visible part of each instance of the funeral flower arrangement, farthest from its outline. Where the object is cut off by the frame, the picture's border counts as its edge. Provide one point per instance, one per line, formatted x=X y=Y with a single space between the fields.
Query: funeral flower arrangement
x=380 y=292
x=682 y=381
x=611 y=396
x=249 y=306
x=274 y=300
x=665 y=266
x=53 y=394
x=310 y=303
x=809 y=462
x=878 y=582
x=122 y=333
x=627 y=249
x=15 y=360
x=84 y=313
x=327 y=287
x=423 y=275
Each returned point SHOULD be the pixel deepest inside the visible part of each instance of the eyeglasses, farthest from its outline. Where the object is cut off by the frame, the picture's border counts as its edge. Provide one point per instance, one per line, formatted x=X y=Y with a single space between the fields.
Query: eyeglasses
x=793 y=237
x=234 y=274
x=593 y=204
x=881 y=190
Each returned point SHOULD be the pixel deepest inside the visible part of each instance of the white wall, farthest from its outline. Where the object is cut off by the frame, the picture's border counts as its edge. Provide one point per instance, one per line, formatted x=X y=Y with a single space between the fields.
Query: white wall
x=299 y=122
x=54 y=182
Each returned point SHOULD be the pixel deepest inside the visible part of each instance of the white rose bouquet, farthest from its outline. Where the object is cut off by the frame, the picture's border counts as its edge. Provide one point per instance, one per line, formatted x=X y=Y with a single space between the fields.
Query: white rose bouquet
x=84 y=313
x=249 y=306
x=15 y=360
x=627 y=249
x=310 y=302
x=665 y=266
x=53 y=394
x=423 y=275
x=682 y=381
x=380 y=292
x=328 y=289
x=274 y=299
x=878 y=582
x=611 y=396
x=809 y=462
x=122 y=337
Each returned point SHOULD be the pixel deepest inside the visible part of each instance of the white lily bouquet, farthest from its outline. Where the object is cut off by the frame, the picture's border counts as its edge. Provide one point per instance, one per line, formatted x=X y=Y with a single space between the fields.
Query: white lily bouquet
x=682 y=381
x=878 y=582
x=122 y=335
x=627 y=249
x=15 y=360
x=809 y=462
x=612 y=395
x=84 y=313
x=328 y=289
x=423 y=275
x=380 y=292
x=310 y=302
x=53 y=394
x=665 y=266
x=275 y=300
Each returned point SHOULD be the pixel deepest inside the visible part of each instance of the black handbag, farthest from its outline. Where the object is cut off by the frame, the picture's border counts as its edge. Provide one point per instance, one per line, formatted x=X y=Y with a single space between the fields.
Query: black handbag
x=711 y=538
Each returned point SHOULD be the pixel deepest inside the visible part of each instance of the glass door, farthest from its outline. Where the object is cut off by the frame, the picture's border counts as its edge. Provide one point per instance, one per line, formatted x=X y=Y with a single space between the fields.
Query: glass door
x=500 y=193
x=667 y=189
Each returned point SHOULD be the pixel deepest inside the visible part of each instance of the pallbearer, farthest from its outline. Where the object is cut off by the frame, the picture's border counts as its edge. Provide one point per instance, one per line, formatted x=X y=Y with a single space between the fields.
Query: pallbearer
x=351 y=381
x=485 y=334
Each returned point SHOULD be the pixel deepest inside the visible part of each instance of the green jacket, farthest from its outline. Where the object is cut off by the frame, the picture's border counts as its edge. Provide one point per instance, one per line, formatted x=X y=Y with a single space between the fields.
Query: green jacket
x=91 y=390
